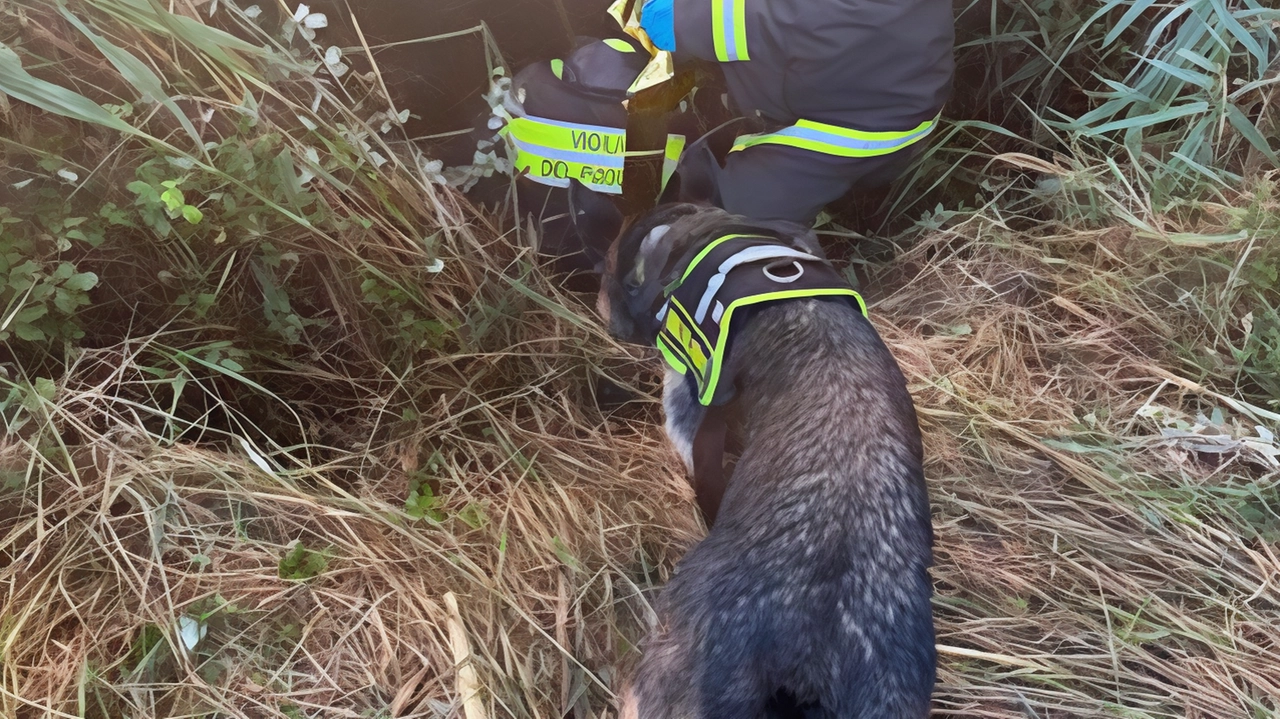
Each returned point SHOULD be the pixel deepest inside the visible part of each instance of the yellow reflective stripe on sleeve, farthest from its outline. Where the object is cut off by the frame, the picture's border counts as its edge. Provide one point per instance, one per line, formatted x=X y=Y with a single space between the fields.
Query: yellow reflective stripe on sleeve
x=551 y=152
x=671 y=158
x=838 y=141
x=729 y=30
x=557 y=68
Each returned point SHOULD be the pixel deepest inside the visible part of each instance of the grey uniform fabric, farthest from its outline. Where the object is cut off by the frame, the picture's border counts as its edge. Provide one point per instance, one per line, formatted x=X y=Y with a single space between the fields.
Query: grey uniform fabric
x=775 y=182
x=874 y=65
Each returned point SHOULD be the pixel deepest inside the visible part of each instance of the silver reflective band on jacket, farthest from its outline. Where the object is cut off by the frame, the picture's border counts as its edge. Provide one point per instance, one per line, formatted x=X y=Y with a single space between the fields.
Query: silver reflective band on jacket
x=729 y=30
x=838 y=141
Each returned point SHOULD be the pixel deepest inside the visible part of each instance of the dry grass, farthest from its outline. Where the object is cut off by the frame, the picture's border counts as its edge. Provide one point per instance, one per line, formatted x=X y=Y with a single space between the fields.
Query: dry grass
x=179 y=538
x=1086 y=566
x=550 y=526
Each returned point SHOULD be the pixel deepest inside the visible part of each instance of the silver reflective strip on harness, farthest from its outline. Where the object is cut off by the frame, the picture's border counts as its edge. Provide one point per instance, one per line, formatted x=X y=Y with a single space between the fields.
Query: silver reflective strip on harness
x=751 y=254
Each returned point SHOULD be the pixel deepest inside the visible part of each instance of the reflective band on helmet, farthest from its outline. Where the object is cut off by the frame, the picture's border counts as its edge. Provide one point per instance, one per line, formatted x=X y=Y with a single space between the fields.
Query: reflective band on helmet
x=671 y=157
x=838 y=141
x=619 y=45
x=729 y=29
x=551 y=152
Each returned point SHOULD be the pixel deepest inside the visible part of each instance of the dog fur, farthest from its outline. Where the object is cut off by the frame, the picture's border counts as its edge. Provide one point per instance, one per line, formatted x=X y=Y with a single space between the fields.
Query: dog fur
x=810 y=596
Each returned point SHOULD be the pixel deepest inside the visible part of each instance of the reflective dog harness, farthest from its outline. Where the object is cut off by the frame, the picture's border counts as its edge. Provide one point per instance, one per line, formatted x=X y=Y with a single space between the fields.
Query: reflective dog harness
x=734 y=272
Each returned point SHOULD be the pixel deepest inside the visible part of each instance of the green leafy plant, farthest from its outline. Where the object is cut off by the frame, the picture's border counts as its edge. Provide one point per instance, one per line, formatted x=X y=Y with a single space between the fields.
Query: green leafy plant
x=149 y=648
x=160 y=205
x=422 y=502
x=40 y=294
x=300 y=563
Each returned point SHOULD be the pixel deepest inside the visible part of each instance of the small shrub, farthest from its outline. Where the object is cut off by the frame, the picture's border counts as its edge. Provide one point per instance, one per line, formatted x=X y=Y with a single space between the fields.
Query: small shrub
x=300 y=563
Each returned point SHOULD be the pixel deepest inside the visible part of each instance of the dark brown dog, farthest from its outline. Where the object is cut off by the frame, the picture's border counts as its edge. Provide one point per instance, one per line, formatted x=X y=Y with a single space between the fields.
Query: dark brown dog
x=811 y=594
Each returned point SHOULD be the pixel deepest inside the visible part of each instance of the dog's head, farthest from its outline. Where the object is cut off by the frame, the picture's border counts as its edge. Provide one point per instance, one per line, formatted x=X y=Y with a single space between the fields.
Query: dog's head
x=638 y=261
x=633 y=259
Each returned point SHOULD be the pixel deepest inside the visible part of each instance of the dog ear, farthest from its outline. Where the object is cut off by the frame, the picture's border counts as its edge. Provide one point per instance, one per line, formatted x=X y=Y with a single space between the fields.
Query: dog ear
x=596 y=221
x=696 y=179
x=655 y=250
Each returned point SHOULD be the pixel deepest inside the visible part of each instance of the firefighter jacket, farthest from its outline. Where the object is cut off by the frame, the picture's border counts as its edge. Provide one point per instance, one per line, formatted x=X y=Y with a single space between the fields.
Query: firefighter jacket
x=850 y=78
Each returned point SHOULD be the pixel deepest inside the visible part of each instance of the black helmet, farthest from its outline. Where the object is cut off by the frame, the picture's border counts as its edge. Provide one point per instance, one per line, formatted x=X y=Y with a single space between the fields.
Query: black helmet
x=605 y=68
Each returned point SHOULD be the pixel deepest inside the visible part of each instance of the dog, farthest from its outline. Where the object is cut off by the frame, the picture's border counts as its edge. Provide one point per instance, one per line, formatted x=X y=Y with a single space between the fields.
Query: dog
x=810 y=595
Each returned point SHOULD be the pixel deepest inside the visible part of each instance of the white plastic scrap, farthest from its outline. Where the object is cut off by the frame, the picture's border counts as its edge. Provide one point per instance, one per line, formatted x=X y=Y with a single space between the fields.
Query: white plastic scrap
x=191 y=631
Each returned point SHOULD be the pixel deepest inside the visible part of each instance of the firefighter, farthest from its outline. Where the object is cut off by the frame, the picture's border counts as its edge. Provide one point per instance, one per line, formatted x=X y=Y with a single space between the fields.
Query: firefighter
x=845 y=90
x=571 y=124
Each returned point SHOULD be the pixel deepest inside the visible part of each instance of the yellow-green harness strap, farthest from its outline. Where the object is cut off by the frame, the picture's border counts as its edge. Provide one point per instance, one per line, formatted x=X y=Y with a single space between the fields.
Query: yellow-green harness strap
x=838 y=141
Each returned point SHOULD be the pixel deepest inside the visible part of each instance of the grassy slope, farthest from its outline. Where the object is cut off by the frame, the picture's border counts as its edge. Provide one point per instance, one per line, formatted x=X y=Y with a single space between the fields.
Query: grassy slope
x=247 y=506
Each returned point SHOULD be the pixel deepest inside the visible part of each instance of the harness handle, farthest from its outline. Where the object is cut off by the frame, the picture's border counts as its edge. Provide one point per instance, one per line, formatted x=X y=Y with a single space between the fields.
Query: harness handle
x=768 y=271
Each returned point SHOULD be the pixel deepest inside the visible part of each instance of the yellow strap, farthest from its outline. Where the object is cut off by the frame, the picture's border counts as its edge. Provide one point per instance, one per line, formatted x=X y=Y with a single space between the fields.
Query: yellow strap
x=619 y=45
x=671 y=158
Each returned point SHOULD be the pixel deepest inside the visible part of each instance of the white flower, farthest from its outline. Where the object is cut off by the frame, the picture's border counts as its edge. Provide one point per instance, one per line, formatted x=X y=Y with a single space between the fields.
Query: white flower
x=68 y=175
x=305 y=22
x=333 y=61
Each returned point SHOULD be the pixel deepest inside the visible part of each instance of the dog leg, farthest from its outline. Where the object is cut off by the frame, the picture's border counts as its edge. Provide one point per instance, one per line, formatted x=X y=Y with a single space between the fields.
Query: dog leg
x=684 y=415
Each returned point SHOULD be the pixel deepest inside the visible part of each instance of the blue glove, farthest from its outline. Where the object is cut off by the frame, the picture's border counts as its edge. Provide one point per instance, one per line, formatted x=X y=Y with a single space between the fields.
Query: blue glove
x=659 y=23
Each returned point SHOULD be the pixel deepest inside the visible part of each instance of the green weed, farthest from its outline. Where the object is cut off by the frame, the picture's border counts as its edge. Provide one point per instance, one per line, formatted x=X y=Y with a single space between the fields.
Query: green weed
x=300 y=563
